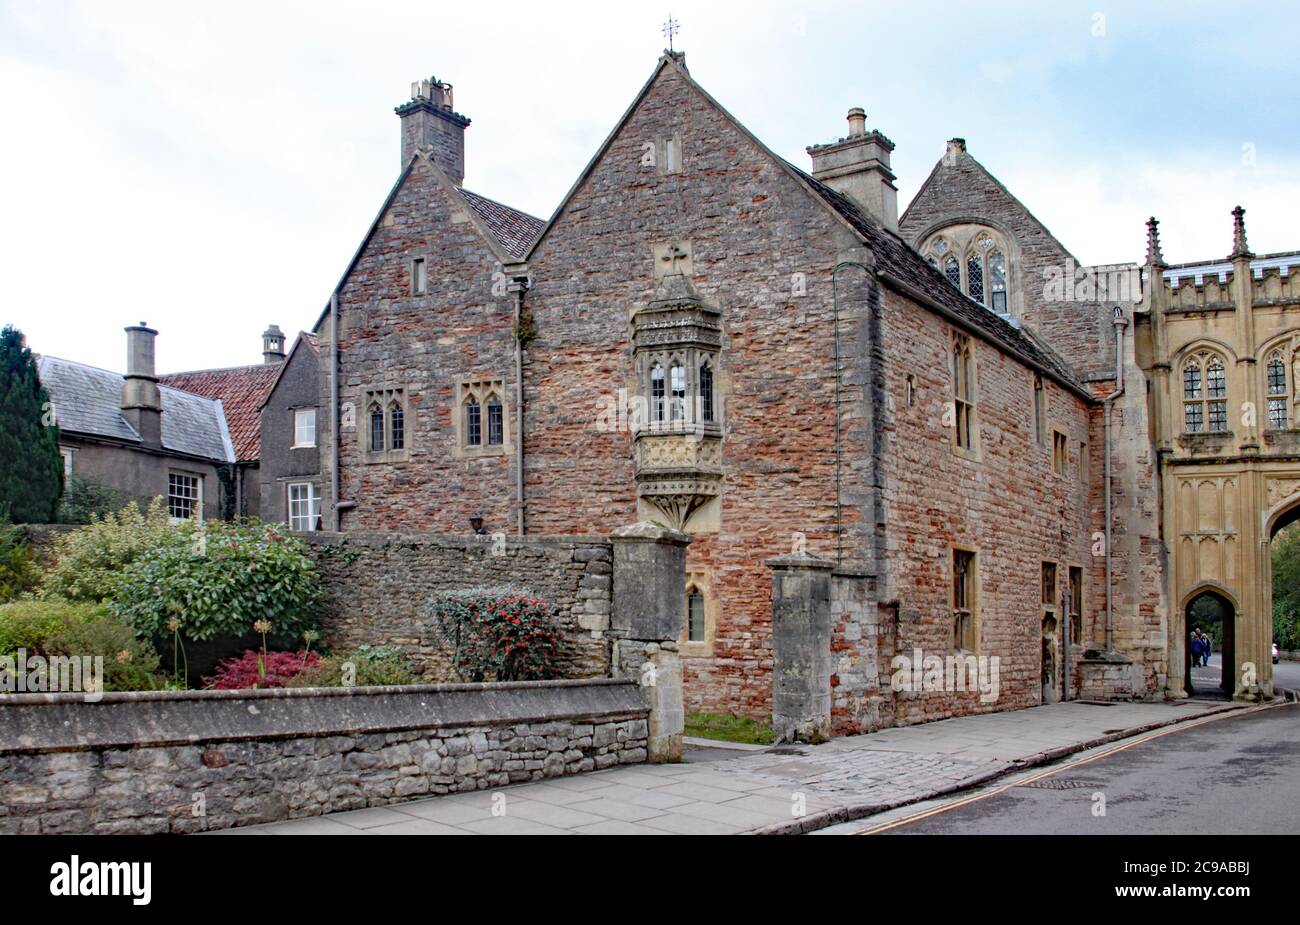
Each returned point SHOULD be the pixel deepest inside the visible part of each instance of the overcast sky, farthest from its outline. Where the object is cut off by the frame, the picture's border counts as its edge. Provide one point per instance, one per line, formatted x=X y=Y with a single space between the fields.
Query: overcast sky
x=211 y=168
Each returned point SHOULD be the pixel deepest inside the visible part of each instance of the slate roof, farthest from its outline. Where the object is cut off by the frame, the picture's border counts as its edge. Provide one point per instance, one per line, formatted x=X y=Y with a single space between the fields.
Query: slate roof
x=88 y=401
x=514 y=230
x=241 y=390
x=895 y=257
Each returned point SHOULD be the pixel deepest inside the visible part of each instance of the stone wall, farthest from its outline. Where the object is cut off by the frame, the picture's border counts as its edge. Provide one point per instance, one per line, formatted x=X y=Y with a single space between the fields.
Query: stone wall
x=377 y=587
x=863 y=644
x=192 y=761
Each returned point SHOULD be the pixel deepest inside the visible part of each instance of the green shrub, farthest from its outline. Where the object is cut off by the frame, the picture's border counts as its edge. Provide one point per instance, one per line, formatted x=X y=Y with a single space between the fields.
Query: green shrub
x=90 y=561
x=363 y=667
x=19 y=571
x=85 y=499
x=229 y=576
x=496 y=634
x=28 y=624
x=130 y=664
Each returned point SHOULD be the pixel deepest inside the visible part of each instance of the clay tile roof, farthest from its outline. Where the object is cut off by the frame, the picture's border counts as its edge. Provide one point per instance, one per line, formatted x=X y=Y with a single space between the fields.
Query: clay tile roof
x=241 y=391
x=514 y=230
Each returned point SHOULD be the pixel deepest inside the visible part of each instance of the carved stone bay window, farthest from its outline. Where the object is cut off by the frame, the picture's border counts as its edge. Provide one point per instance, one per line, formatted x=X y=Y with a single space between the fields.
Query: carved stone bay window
x=677 y=419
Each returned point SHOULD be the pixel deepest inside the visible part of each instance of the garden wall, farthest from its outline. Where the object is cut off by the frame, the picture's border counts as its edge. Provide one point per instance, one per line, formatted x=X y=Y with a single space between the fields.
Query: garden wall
x=378 y=584
x=191 y=761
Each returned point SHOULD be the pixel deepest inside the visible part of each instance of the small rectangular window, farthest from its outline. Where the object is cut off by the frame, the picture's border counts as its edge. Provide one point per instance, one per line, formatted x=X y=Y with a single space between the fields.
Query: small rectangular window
x=1060 y=452
x=304 y=507
x=67 y=462
x=1049 y=584
x=1040 y=412
x=963 y=600
x=184 y=495
x=304 y=427
x=1076 y=604
x=1083 y=464
x=419 y=276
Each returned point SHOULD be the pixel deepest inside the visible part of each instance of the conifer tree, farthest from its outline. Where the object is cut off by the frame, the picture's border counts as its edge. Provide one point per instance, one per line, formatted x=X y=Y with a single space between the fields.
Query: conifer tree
x=31 y=468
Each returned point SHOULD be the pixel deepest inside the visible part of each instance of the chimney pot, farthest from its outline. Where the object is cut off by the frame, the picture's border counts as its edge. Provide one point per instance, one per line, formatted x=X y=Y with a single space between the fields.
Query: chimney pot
x=429 y=124
x=273 y=345
x=141 y=400
x=857 y=121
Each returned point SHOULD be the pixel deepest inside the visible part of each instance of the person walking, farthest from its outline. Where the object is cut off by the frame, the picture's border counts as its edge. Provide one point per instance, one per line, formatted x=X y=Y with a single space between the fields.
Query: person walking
x=1197 y=647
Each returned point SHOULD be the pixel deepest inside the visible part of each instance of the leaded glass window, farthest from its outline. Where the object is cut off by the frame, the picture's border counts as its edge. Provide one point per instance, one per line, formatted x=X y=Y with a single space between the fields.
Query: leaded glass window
x=396 y=427
x=998 y=282
x=695 y=629
x=473 y=423
x=1205 y=393
x=706 y=393
x=952 y=270
x=657 y=393
x=1278 y=394
x=376 y=429
x=975 y=278
x=678 y=381
x=496 y=421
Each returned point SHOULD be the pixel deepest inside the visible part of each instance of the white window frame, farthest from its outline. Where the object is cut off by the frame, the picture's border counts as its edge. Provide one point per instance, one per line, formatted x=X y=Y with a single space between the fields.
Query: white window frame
x=196 y=500
x=312 y=502
x=299 y=427
x=67 y=453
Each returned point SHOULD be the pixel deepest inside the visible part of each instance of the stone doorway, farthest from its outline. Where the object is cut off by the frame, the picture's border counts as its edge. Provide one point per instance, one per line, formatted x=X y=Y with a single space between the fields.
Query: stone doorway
x=1214 y=616
x=1051 y=662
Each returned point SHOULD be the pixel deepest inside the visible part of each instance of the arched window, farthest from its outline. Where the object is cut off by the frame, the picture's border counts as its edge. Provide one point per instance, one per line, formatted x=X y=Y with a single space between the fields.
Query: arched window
x=695 y=621
x=998 y=282
x=495 y=421
x=473 y=423
x=1278 y=393
x=656 y=393
x=963 y=388
x=952 y=270
x=376 y=429
x=677 y=377
x=396 y=427
x=706 y=393
x=975 y=278
x=1205 y=395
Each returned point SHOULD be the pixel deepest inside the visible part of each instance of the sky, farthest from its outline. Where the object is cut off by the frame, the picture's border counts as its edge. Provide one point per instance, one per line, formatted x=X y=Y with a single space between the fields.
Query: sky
x=210 y=169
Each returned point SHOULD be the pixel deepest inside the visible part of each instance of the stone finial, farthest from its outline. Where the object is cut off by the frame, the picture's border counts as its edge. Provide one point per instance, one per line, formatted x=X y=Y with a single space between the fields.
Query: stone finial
x=1239 y=246
x=1154 y=257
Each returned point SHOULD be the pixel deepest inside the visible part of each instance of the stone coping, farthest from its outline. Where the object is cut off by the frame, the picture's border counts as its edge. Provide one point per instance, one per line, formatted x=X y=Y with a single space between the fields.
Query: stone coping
x=67 y=722
x=452 y=540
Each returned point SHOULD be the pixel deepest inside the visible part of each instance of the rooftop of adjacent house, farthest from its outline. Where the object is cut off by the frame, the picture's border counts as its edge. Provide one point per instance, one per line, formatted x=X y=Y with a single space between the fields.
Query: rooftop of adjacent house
x=241 y=390
x=514 y=230
x=88 y=401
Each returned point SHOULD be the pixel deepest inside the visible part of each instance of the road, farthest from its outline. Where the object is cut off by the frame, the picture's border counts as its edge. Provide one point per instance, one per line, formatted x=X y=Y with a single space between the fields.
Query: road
x=1232 y=775
x=1285 y=674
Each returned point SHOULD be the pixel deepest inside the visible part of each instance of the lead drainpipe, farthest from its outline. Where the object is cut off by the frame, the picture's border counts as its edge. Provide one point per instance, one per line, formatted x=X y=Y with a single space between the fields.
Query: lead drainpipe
x=334 y=411
x=519 y=285
x=835 y=306
x=1120 y=323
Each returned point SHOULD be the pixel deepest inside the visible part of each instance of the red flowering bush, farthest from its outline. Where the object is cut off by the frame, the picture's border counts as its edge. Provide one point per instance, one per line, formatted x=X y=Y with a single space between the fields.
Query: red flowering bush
x=255 y=669
x=497 y=634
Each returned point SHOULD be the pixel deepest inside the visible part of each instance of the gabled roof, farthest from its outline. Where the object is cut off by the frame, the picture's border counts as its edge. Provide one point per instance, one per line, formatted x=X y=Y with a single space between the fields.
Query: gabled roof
x=304 y=339
x=88 y=401
x=965 y=163
x=513 y=229
x=241 y=391
x=896 y=263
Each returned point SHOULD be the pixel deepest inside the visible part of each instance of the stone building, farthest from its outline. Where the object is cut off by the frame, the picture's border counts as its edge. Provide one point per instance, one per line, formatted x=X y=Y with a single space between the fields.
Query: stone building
x=289 y=466
x=938 y=426
x=138 y=437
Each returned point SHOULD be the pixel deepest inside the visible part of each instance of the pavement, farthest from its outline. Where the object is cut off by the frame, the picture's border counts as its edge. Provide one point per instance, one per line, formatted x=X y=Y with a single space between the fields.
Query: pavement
x=1205 y=680
x=777 y=790
x=1230 y=774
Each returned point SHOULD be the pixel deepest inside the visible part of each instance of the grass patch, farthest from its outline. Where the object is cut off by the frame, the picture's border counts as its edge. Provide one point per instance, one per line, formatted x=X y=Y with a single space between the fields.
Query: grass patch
x=729 y=728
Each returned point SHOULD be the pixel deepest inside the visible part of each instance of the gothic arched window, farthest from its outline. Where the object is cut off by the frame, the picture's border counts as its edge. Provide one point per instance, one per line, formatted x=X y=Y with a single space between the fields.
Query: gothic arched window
x=695 y=622
x=952 y=270
x=495 y=421
x=975 y=278
x=1278 y=393
x=1205 y=395
x=396 y=426
x=677 y=378
x=473 y=422
x=706 y=393
x=963 y=391
x=657 y=393
x=376 y=429
x=998 y=282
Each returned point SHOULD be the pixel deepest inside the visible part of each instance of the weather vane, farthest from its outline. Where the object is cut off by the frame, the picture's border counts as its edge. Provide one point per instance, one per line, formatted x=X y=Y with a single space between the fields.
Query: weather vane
x=671 y=28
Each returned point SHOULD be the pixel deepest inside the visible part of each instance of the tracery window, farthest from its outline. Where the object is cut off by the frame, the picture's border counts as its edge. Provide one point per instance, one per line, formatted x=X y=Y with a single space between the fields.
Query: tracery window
x=385 y=432
x=1279 y=394
x=483 y=418
x=998 y=282
x=1205 y=395
x=973 y=259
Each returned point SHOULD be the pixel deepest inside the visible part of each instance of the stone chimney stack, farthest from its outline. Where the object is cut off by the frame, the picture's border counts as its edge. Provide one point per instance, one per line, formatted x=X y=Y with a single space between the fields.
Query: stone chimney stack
x=858 y=166
x=430 y=124
x=141 y=401
x=273 y=345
